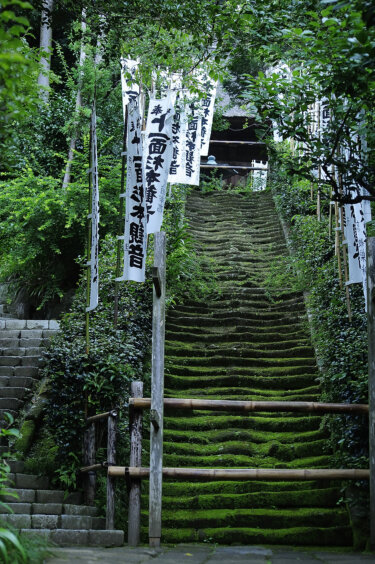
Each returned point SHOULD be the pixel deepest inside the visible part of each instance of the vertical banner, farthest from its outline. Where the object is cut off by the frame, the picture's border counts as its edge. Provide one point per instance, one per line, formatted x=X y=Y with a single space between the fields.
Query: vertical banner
x=260 y=175
x=177 y=168
x=157 y=159
x=193 y=146
x=208 y=104
x=130 y=90
x=94 y=216
x=135 y=235
x=352 y=240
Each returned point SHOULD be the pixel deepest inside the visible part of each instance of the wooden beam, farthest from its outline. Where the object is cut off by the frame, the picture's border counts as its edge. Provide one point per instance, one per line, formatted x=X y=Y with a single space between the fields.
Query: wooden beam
x=229 y=405
x=89 y=486
x=247 y=473
x=157 y=393
x=134 y=516
x=371 y=376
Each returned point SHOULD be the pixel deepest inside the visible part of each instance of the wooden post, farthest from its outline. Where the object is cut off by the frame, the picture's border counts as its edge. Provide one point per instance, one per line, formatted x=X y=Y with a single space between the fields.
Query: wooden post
x=111 y=461
x=134 y=516
x=157 y=393
x=89 y=460
x=371 y=376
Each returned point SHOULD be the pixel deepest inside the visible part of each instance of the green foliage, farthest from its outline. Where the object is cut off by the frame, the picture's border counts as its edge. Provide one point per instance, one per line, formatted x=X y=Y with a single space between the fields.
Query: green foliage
x=341 y=344
x=42 y=228
x=18 y=68
x=328 y=49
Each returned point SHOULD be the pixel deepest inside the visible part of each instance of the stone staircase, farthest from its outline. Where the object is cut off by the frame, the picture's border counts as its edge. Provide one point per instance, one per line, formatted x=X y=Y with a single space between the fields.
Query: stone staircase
x=37 y=509
x=240 y=344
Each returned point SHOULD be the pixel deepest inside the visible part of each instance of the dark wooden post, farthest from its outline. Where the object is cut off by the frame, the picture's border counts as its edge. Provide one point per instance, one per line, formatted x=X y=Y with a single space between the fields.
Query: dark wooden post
x=371 y=376
x=89 y=460
x=134 y=516
x=111 y=461
x=157 y=391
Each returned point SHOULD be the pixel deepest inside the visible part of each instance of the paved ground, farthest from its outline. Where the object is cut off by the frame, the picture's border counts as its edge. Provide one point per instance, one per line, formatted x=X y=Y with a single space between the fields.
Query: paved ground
x=204 y=554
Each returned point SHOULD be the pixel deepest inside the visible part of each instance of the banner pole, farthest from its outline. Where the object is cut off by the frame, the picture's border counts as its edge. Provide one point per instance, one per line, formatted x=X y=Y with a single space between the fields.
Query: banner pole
x=120 y=220
x=89 y=233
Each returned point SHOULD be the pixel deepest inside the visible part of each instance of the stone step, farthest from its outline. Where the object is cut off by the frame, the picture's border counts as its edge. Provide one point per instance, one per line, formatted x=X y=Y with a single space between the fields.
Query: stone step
x=51 y=521
x=31 y=495
x=77 y=537
x=12 y=392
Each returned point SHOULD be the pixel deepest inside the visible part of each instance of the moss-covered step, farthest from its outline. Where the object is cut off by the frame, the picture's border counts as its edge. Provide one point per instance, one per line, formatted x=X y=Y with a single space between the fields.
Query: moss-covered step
x=244 y=343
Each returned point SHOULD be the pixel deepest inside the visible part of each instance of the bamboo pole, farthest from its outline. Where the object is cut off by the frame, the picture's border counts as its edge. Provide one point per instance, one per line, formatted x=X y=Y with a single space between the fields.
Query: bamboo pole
x=345 y=261
x=371 y=376
x=94 y=467
x=120 y=220
x=134 y=516
x=157 y=390
x=111 y=461
x=88 y=250
x=89 y=461
x=246 y=473
x=229 y=405
x=112 y=413
x=337 y=244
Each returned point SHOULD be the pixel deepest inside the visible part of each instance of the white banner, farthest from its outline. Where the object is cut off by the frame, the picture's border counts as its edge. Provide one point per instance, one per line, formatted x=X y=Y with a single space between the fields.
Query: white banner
x=135 y=235
x=94 y=215
x=193 y=146
x=158 y=157
x=130 y=89
x=207 y=104
x=177 y=169
x=351 y=236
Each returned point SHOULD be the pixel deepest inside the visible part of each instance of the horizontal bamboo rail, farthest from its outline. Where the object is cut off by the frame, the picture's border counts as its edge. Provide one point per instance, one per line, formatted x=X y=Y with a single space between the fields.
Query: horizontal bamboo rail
x=245 y=473
x=91 y=468
x=226 y=142
x=231 y=405
x=93 y=418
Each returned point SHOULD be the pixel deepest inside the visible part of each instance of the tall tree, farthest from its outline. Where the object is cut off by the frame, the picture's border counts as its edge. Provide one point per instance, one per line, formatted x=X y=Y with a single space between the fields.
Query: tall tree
x=45 y=48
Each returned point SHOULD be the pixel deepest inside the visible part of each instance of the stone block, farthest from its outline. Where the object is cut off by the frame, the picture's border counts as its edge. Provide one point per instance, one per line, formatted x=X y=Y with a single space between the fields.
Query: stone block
x=54 y=324
x=66 y=537
x=30 y=360
x=16 y=465
x=12 y=392
x=19 y=521
x=6 y=370
x=15 y=324
x=10 y=360
x=44 y=521
x=29 y=481
x=30 y=342
x=2 y=323
x=10 y=334
x=24 y=496
x=76 y=522
x=30 y=371
x=75 y=498
x=13 y=351
x=37 y=324
x=48 y=333
x=71 y=509
x=31 y=334
x=44 y=533
x=49 y=496
x=19 y=508
x=21 y=381
x=105 y=538
x=10 y=404
x=47 y=508
x=4 y=381
x=9 y=343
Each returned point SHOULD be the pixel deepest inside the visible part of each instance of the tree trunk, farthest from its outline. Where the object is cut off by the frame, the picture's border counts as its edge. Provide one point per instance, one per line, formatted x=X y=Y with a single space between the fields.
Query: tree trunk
x=75 y=134
x=45 y=48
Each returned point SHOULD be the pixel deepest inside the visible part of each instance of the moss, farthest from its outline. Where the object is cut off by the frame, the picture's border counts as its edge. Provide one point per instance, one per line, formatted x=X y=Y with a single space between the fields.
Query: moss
x=24 y=442
x=41 y=458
